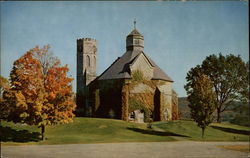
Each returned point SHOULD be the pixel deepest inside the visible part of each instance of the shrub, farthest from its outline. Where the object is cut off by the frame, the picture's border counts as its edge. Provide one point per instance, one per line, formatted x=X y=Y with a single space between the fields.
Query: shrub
x=137 y=75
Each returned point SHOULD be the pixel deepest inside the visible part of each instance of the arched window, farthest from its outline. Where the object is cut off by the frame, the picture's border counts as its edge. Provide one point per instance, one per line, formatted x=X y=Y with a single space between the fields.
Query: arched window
x=94 y=60
x=88 y=60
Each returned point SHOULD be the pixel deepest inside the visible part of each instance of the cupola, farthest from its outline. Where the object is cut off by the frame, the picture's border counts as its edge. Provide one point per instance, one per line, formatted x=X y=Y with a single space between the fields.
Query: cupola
x=135 y=41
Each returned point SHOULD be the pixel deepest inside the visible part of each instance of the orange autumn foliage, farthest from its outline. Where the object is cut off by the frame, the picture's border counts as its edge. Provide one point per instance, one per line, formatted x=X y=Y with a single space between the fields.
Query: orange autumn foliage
x=41 y=93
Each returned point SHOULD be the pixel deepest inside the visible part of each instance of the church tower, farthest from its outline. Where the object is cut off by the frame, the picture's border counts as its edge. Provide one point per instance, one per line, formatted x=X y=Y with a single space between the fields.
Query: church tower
x=86 y=72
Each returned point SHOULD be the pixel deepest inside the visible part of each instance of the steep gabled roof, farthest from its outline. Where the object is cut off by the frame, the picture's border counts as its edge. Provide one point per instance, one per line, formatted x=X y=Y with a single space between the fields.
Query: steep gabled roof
x=159 y=74
x=120 y=68
x=146 y=58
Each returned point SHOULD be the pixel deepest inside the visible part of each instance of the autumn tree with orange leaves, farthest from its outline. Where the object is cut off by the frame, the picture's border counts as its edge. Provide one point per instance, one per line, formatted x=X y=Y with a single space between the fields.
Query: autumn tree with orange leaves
x=41 y=93
x=4 y=86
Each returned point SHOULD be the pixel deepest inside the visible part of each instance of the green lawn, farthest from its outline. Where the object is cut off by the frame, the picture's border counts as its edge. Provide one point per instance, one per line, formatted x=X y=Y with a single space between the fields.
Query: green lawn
x=93 y=130
x=215 y=131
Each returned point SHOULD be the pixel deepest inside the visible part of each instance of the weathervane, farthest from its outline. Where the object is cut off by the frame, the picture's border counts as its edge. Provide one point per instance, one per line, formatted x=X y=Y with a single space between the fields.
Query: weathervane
x=134 y=23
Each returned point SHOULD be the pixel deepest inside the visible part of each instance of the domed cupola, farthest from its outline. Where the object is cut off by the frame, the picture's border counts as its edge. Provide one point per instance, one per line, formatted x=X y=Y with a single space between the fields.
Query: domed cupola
x=135 y=40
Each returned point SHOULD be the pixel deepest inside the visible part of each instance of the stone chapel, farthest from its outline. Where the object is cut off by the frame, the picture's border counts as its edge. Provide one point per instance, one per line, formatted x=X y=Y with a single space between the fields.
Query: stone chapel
x=133 y=88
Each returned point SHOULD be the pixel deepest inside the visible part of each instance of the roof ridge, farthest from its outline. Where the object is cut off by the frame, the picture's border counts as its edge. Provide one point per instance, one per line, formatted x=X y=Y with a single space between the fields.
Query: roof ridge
x=153 y=65
x=137 y=56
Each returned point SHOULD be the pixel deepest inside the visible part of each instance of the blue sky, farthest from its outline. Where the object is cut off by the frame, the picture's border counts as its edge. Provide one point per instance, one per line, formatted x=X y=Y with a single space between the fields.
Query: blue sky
x=178 y=35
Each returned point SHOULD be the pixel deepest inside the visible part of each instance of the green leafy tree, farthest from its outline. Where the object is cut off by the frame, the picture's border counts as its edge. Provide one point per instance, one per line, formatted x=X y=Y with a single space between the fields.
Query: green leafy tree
x=229 y=75
x=41 y=93
x=201 y=97
x=245 y=91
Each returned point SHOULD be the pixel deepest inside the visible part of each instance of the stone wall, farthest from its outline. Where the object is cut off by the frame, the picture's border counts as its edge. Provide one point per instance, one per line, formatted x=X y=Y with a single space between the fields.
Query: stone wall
x=142 y=64
x=175 y=111
x=118 y=98
x=155 y=96
x=166 y=100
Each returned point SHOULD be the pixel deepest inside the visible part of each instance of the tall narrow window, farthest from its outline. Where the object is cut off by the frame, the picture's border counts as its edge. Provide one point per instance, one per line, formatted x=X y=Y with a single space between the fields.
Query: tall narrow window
x=88 y=60
x=94 y=60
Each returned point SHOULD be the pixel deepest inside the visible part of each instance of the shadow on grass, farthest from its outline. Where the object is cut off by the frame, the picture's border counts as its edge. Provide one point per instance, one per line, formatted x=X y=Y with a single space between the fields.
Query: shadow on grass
x=231 y=130
x=157 y=133
x=8 y=134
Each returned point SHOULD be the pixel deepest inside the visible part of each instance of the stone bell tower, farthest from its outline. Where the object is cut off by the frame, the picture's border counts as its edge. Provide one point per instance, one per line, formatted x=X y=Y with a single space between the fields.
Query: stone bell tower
x=86 y=73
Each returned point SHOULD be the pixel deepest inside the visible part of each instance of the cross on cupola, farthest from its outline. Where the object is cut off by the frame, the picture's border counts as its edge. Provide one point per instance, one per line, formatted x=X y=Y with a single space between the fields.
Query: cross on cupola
x=135 y=24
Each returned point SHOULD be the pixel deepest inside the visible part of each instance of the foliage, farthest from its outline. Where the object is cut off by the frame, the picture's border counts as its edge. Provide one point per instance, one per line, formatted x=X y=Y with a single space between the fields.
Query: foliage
x=97 y=99
x=4 y=86
x=41 y=93
x=137 y=75
x=229 y=75
x=138 y=105
x=183 y=108
x=201 y=99
x=236 y=113
x=242 y=115
x=245 y=91
x=240 y=120
x=107 y=85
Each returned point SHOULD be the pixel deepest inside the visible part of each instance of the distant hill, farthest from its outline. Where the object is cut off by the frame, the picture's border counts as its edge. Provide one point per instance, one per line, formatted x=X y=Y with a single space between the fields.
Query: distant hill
x=183 y=108
x=237 y=112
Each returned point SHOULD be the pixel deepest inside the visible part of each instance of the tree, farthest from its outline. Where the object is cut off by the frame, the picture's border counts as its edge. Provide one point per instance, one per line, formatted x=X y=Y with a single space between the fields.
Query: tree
x=229 y=75
x=201 y=97
x=245 y=92
x=41 y=92
x=4 y=86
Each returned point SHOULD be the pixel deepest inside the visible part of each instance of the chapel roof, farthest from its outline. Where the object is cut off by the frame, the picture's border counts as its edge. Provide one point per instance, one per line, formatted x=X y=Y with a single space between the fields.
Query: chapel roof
x=119 y=69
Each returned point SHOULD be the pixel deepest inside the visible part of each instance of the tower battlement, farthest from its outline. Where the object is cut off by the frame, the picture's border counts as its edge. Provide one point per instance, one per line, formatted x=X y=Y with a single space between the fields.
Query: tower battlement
x=86 y=39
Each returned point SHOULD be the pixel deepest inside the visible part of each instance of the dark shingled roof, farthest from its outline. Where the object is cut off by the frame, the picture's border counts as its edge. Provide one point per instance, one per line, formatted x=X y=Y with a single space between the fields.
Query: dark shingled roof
x=135 y=32
x=120 y=68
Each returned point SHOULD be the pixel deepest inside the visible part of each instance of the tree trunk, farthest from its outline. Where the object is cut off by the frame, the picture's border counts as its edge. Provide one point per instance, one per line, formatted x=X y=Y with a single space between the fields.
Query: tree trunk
x=203 y=130
x=218 y=115
x=43 y=131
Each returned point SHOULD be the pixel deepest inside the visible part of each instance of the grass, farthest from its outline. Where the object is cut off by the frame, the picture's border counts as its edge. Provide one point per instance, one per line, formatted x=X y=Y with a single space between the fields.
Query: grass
x=94 y=130
x=214 y=132
x=82 y=130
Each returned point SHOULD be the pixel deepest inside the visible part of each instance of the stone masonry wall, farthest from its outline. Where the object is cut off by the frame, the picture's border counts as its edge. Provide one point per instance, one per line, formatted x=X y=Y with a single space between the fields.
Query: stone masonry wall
x=144 y=66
